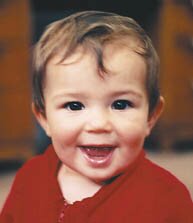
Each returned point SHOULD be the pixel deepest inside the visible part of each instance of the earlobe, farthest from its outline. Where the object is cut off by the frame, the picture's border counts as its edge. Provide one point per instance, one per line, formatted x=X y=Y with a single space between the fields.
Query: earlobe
x=154 y=116
x=41 y=118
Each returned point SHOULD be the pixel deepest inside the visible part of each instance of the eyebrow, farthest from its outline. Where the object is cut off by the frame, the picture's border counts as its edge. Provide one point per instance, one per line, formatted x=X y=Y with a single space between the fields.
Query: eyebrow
x=75 y=94
x=127 y=92
x=66 y=93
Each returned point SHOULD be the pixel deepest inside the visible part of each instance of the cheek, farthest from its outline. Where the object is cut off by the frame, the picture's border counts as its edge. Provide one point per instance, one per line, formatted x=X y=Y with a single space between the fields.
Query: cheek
x=64 y=132
x=64 y=140
x=132 y=143
x=133 y=135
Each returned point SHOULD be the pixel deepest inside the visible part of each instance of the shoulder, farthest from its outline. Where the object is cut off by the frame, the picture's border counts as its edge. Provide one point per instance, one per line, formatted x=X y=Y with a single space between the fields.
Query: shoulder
x=165 y=186
x=36 y=169
x=32 y=182
x=163 y=193
x=160 y=176
x=33 y=178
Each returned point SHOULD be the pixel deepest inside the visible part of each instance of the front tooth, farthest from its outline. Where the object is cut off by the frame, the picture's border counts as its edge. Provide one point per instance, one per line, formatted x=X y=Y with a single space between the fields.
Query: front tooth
x=93 y=148
x=98 y=148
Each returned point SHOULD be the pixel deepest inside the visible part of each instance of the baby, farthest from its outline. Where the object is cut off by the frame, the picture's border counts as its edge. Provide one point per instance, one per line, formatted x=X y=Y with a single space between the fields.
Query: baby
x=96 y=95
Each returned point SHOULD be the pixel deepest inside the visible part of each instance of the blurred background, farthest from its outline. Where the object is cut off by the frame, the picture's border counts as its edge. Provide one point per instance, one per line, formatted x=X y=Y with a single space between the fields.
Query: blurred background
x=170 y=25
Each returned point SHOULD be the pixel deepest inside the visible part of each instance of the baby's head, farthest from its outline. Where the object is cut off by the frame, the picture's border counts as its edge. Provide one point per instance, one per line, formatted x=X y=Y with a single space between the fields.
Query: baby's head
x=93 y=30
x=96 y=91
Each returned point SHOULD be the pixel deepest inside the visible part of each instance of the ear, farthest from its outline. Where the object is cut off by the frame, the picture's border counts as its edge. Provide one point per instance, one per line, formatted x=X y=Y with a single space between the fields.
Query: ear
x=41 y=118
x=154 y=116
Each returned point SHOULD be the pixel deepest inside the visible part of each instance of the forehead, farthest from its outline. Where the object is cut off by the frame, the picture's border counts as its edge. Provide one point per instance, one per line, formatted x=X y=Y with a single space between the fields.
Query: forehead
x=119 y=56
x=124 y=67
x=112 y=48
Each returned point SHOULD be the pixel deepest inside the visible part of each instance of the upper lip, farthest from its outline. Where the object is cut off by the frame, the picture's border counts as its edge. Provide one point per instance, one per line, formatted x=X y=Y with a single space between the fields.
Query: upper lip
x=97 y=146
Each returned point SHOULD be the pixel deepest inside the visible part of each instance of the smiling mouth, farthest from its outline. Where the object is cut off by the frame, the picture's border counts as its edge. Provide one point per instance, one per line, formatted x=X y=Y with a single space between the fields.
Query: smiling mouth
x=97 y=155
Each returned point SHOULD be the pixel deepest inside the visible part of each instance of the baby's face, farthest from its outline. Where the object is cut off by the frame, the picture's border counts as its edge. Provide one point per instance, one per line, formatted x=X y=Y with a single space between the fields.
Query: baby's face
x=97 y=125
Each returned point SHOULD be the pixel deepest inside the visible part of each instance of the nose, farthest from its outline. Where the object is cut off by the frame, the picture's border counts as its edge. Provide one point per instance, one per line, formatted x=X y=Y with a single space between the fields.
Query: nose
x=98 y=121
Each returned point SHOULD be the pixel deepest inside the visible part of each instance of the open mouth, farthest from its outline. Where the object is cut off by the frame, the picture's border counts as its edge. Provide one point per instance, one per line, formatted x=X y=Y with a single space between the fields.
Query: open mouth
x=99 y=155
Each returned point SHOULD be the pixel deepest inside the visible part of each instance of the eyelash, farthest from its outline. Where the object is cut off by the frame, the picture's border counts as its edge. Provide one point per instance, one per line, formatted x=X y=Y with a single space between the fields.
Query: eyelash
x=116 y=105
x=74 y=106
x=122 y=104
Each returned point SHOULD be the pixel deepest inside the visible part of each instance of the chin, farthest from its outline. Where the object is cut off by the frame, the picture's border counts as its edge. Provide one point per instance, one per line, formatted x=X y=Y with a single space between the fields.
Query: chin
x=104 y=181
x=105 y=178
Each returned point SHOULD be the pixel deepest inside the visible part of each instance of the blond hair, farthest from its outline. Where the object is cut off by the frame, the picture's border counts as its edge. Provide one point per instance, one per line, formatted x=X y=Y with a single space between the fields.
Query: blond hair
x=92 y=30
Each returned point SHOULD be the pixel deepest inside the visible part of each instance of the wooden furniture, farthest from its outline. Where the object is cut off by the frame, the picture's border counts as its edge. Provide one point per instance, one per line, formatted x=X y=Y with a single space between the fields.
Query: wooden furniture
x=176 y=53
x=16 y=124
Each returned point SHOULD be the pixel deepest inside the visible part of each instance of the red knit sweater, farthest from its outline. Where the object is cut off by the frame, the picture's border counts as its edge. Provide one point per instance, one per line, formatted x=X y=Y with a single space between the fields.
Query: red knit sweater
x=145 y=193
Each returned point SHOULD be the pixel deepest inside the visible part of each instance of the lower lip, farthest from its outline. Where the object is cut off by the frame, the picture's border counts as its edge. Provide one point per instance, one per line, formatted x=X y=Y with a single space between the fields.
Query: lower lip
x=98 y=161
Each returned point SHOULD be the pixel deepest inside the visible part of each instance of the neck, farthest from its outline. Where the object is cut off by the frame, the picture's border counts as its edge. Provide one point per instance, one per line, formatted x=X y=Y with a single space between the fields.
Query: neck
x=74 y=186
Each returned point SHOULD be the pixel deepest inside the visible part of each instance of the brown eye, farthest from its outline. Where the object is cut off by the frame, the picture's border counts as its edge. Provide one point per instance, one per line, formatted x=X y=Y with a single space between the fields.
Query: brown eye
x=74 y=106
x=121 y=104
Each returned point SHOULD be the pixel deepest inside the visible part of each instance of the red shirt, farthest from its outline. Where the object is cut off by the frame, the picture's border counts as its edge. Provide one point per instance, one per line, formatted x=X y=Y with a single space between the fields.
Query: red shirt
x=145 y=193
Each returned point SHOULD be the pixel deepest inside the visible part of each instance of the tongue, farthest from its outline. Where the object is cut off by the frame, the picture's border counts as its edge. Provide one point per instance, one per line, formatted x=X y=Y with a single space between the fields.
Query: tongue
x=97 y=152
